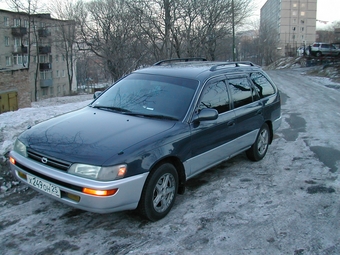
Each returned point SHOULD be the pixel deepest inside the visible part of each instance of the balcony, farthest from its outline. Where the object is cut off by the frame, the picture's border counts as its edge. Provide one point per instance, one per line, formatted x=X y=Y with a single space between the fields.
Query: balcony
x=45 y=66
x=44 y=49
x=19 y=49
x=19 y=31
x=46 y=83
x=44 y=32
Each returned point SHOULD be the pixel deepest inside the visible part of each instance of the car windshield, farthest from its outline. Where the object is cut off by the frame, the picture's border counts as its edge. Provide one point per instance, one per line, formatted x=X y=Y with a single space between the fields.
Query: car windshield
x=147 y=95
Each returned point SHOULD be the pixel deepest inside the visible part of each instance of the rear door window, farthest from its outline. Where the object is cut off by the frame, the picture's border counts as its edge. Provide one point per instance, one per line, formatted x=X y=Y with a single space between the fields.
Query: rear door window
x=263 y=86
x=242 y=92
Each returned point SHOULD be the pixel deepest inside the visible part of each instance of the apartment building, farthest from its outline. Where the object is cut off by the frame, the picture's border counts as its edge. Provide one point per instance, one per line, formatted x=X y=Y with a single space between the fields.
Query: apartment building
x=37 y=43
x=294 y=21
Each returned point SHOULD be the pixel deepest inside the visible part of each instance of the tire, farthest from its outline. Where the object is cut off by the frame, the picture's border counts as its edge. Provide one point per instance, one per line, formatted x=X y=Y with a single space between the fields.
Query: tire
x=159 y=192
x=318 y=54
x=259 y=149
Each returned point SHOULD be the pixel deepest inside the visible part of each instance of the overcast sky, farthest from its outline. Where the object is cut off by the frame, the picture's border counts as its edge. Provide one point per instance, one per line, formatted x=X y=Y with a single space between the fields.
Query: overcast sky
x=327 y=10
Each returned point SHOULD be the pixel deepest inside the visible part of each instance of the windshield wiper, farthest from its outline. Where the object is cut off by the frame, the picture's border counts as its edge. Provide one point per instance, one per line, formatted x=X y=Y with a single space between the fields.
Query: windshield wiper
x=156 y=116
x=112 y=108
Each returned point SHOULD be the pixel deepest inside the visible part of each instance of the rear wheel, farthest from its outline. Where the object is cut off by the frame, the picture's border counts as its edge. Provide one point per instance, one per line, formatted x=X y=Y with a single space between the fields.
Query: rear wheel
x=318 y=54
x=259 y=149
x=159 y=192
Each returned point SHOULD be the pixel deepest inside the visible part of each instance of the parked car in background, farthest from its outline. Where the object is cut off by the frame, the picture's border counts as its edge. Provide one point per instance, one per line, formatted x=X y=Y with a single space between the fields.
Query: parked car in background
x=137 y=143
x=302 y=51
x=319 y=49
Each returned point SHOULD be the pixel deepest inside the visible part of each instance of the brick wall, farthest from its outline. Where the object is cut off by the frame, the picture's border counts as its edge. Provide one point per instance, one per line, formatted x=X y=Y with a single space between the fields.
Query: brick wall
x=17 y=80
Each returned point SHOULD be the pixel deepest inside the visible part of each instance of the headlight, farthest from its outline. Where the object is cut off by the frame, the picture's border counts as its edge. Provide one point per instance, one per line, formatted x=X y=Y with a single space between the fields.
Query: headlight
x=20 y=148
x=98 y=173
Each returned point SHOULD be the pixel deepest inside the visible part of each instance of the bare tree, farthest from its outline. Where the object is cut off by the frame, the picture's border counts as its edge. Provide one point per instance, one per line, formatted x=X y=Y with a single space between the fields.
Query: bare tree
x=66 y=34
x=268 y=42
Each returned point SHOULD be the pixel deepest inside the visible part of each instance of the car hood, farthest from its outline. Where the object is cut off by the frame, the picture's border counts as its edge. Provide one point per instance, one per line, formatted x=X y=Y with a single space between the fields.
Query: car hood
x=91 y=136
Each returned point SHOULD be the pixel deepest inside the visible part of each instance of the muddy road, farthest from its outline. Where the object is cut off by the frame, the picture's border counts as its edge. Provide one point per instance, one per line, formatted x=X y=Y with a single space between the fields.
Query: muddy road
x=288 y=203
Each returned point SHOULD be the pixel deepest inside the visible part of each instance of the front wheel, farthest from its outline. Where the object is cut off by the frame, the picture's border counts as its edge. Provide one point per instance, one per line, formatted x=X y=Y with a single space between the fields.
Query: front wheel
x=159 y=192
x=259 y=149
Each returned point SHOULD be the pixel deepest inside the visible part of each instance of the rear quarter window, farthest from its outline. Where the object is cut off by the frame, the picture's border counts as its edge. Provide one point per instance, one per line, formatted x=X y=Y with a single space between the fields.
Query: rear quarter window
x=263 y=86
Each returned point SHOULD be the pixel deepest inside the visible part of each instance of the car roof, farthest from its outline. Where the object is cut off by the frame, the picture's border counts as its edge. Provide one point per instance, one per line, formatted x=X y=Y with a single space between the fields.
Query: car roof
x=199 y=70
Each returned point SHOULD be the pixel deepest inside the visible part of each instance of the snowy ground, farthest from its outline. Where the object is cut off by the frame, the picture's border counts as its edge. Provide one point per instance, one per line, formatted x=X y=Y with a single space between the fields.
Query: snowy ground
x=288 y=203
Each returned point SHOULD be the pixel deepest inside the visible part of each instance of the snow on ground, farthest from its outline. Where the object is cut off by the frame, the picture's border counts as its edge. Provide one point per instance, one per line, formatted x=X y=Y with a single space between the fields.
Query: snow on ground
x=13 y=123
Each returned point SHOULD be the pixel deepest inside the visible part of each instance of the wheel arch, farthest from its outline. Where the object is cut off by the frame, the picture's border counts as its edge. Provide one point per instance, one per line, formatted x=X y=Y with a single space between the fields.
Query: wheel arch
x=176 y=162
x=271 y=132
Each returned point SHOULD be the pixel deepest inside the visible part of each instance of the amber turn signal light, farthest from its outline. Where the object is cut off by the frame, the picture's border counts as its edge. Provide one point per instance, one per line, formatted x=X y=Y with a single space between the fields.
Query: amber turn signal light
x=101 y=193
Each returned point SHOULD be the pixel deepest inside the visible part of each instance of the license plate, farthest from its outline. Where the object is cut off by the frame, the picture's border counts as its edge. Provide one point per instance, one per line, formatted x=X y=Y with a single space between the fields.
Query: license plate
x=43 y=185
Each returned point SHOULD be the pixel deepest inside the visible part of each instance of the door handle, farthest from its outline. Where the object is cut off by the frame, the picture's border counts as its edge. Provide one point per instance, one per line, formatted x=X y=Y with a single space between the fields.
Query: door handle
x=231 y=123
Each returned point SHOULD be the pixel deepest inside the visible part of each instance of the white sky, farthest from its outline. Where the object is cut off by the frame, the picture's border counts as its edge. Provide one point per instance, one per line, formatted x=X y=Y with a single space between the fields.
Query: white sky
x=327 y=10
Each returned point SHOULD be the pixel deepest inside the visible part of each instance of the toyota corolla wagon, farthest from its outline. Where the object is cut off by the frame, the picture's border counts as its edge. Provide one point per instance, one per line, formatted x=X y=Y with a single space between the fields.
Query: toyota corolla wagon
x=137 y=143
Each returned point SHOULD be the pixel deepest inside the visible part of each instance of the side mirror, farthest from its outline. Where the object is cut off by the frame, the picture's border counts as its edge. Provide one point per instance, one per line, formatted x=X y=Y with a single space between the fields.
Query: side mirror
x=206 y=114
x=96 y=94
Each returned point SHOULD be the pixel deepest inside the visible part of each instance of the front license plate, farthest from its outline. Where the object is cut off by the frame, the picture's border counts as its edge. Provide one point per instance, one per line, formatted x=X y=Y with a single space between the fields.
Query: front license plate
x=43 y=185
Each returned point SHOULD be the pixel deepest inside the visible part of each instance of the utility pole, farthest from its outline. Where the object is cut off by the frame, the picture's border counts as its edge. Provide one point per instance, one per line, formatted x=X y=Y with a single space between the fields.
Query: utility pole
x=233 y=24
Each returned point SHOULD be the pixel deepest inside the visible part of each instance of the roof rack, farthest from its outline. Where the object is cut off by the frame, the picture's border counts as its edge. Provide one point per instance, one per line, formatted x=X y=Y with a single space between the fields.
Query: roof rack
x=236 y=64
x=179 y=60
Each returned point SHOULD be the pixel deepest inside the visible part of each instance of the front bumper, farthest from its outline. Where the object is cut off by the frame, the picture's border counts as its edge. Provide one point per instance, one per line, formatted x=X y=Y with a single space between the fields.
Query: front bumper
x=126 y=198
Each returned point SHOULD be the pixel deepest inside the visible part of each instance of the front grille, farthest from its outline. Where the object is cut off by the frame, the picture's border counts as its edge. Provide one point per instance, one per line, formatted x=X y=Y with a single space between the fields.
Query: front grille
x=52 y=162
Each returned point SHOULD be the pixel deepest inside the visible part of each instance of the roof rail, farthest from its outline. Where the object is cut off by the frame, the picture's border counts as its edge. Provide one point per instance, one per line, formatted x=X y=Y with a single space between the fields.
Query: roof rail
x=236 y=64
x=179 y=60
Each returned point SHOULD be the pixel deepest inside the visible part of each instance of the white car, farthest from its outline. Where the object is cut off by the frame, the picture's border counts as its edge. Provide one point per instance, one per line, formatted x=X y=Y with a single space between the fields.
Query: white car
x=301 y=50
x=319 y=49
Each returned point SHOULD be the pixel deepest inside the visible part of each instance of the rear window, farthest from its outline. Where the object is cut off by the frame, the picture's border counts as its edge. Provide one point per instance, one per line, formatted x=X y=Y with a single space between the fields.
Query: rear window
x=263 y=86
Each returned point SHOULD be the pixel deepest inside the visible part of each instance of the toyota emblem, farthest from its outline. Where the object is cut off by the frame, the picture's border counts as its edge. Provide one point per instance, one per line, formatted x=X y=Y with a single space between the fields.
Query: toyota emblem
x=44 y=160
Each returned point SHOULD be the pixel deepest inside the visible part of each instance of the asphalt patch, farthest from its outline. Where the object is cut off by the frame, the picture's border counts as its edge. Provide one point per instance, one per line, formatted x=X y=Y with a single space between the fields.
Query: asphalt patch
x=319 y=189
x=328 y=156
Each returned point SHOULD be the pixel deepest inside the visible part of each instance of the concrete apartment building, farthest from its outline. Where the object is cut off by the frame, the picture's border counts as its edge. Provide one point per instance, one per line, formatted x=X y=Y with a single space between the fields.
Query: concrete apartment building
x=33 y=43
x=294 y=21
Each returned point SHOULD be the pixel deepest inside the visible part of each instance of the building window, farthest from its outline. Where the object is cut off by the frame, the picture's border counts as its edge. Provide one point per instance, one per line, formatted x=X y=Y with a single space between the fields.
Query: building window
x=57 y=58
x=17 y=59
x=6 y=21
x=293 y=37
x=302 y=13
x=25 y=42
x=42 y=59
x=294 y=13
x=57 y=73
x=63 y=73
x=303 y=5
x=16 y=22
x=294 y=5
x=44 y=91
x=302 y=21
x=25 y=60
x=8 y=61
x=294 y=21
x=302 y=29
x=6 y=41
x=26 y=24
x=63 y=58
x=17 y=41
